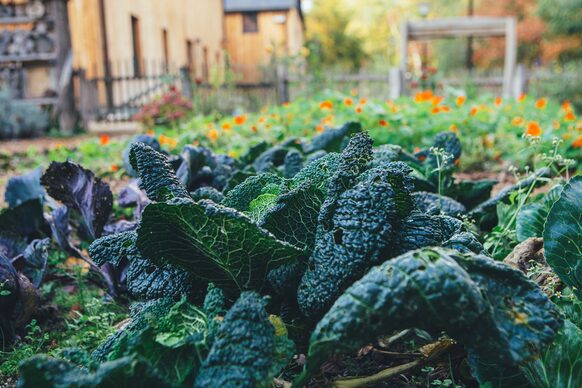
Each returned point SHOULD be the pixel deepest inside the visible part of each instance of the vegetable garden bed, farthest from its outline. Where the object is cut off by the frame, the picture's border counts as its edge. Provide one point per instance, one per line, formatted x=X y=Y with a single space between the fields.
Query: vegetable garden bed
x=363 y=254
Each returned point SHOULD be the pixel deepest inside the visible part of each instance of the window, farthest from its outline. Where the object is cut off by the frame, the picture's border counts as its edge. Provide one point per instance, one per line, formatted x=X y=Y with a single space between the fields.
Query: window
x=136 y=43
x=165 y=48
x=206 y=64
x=190 y=55
x=250 y=22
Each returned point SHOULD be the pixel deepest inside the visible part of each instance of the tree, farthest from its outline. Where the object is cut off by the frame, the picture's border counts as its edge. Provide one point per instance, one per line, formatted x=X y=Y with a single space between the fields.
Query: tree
x=329 y=36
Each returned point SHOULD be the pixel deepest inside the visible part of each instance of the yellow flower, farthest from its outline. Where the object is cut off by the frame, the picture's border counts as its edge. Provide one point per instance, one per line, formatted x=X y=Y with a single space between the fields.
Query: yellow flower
x=304 y=51
x=232 y=154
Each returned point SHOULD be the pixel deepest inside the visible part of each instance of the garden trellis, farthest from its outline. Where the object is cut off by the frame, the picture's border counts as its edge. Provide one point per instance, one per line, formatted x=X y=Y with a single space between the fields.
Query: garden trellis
x=461 y=27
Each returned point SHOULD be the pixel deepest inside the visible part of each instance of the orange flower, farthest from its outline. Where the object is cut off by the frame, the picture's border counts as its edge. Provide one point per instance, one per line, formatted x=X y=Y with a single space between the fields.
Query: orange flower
x=226 y=126
x=363 y=101
x=212 y=134
x=285 y=104
x=474 y=111
x=461 y=100
x=150 y=132
x=570 y=116
x=425 y=95
x=541 y=103
x=319 y=128
x=533 y=129
x=577 y=143
x=240 y=120
x=436 y=100
x=348 y=101
x=196 y=142
x=354 y=92
x=566 y=106
x=445 y=108
x=498 y=101
x=416 y=150
x=517 y=121
x=358 y=109
x=521 y=97
x=435 y=110
x=254 y=129
x=454 y=128
x=114 y=168
x=556 y=124
x=326 y=105
x=166 y=140
x=104 y=140
x=383 y=123
x=262 y=119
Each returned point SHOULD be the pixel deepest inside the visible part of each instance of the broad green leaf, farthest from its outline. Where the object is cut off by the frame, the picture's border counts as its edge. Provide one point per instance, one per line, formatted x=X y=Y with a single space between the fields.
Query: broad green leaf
x=561 y=365
x=531 y=218
x=215 y=243
x=563 y=236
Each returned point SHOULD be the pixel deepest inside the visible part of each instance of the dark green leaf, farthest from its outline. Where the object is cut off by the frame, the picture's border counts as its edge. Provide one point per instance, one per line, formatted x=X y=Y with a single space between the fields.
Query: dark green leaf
x=562 y=235
x=215 y=243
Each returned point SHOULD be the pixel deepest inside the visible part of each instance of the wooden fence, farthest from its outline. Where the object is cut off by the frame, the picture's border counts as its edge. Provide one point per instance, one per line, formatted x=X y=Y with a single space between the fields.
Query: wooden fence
x=118 y=98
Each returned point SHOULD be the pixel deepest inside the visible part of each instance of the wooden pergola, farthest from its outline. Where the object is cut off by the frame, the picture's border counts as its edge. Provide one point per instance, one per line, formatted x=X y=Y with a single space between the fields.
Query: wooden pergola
x=463 y=27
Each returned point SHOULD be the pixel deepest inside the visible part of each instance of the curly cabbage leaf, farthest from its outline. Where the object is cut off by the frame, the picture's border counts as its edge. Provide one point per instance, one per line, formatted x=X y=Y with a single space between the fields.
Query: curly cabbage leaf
x=42 y=371
x=437 y=290
x=363 y=229
x=434 y=204
x=333 y=139
x=141 y=315
x=173 y=343
x=246 y=351
x=157 y=177
x=207 y=193
x=213 y=242
x=24 y=188
x=353 y=162
x=562 y=235
x=200 y=167
x=145 y=139
x=242 y=195
x=293 y=163
x=145 y=279
x=80 y=191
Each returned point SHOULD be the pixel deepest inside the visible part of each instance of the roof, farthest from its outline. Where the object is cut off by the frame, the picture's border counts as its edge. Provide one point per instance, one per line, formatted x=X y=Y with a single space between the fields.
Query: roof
x=259 y=5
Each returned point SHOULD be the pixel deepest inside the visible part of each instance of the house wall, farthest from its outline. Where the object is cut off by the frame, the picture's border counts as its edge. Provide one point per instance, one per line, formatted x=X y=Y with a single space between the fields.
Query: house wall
x=280 y=33
x=195 y=20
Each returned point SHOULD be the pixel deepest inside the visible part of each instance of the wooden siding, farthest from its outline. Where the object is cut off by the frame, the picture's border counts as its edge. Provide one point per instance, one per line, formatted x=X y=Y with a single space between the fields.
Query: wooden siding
x=201 y=22
x=249 y=51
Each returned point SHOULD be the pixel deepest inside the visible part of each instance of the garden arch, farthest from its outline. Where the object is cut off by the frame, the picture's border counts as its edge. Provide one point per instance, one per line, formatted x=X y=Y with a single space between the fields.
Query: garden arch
x=462 y=27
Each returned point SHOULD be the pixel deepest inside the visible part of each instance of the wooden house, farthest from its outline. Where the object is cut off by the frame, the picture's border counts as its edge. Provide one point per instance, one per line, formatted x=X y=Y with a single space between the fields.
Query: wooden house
x=258 y=31
x=114 y=46
x=129 y=35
